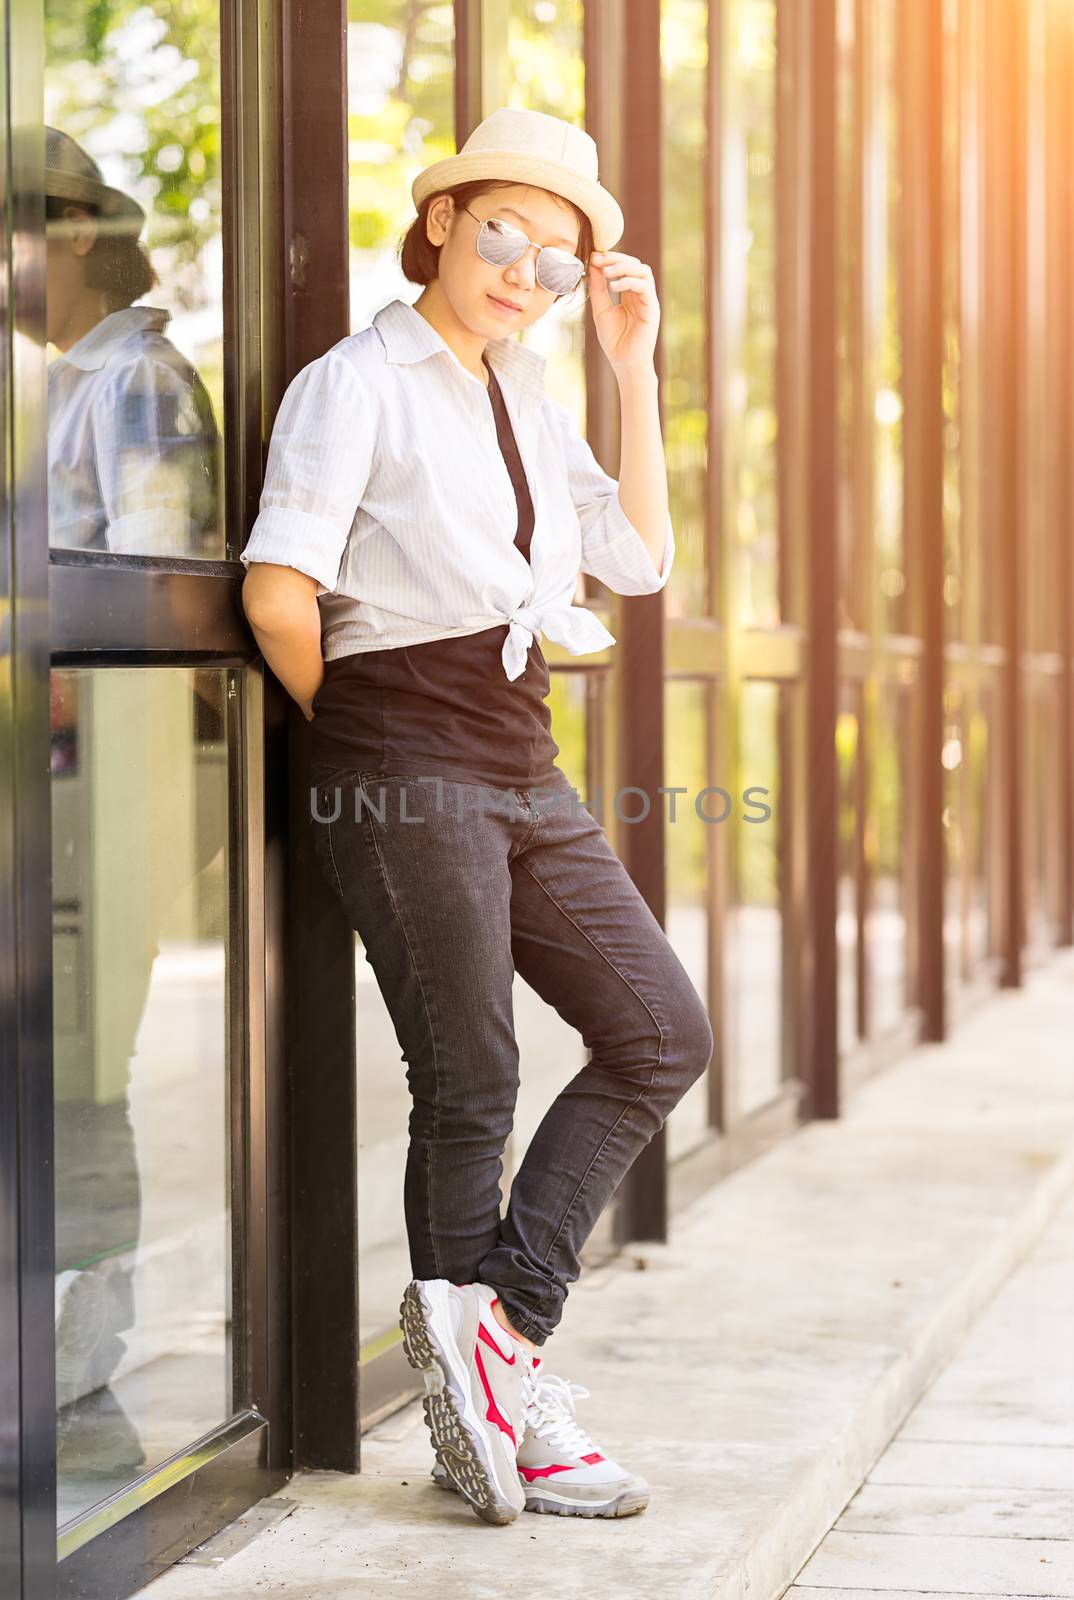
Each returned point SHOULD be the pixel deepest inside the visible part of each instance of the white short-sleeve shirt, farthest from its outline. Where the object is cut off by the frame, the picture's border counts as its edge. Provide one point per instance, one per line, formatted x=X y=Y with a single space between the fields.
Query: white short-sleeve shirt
x=385 y=482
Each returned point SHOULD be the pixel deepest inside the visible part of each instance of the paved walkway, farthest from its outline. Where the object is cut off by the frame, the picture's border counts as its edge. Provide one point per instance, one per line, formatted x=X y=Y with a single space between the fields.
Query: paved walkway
x=975 y=1493
x=759 y=1370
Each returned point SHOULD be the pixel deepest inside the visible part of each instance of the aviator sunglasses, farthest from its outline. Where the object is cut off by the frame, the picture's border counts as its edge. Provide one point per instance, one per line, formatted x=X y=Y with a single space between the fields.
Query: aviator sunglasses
x=501 y=244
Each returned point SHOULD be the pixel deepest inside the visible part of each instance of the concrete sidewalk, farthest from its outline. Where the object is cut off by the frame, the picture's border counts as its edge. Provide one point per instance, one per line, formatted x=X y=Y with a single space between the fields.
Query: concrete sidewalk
x=759 y=1367
x=975 y=1494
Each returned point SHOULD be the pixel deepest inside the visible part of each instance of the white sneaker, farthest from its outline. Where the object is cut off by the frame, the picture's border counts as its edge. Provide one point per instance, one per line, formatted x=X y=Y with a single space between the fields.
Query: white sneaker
x=478 y=1381
x=562 y=1471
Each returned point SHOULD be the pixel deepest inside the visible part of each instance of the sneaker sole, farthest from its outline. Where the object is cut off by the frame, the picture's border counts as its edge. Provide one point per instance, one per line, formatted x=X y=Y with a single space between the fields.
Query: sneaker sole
x=627 y=1505
x=457 y=1438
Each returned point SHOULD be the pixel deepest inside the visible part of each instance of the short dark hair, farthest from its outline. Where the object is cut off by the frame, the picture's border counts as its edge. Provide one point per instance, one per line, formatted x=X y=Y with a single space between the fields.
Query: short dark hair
x=419 y=257
x=118 y=265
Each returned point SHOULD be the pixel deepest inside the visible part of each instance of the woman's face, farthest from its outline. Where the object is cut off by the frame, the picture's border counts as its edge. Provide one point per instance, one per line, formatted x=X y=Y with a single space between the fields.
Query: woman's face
x=474 y=287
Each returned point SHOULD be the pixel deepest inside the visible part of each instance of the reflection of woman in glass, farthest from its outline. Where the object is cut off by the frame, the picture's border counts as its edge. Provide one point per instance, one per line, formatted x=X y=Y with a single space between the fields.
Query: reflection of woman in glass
x=133 y=445
x=422 y=486
x=132 y=468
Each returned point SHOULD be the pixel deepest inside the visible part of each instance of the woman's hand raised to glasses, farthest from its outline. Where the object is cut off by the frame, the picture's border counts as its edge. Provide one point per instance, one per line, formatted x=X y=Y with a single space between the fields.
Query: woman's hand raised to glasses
x=627 y=332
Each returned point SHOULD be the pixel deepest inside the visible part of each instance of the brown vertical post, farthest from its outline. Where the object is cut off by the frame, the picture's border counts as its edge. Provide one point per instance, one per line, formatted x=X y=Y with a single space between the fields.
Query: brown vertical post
x=823 y=476
x=315 y=204
x=1061 y=221
x=920 y=81
x=468 y=50
x=1005 y=224
x=642 y=1210
x=318 y=962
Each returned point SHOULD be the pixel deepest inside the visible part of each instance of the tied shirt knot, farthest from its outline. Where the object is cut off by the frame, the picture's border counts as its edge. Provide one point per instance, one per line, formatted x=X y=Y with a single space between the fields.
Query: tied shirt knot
x=578 y=630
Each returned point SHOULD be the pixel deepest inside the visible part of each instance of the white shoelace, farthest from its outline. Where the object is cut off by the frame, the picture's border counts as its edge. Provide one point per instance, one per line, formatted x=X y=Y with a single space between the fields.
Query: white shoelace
x=548 y=1408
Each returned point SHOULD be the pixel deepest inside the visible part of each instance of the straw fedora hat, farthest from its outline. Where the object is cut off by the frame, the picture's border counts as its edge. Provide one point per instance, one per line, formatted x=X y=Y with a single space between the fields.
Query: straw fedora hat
x=71 y=174
x=531 y=147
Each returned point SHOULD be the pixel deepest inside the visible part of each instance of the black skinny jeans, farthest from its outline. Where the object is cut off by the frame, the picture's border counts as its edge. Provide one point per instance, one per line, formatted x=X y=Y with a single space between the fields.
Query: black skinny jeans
x=448 y=907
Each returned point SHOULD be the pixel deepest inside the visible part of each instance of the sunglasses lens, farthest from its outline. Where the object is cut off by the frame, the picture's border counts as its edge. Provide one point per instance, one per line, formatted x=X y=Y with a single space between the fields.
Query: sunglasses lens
x=501 y=245
x=558 y=271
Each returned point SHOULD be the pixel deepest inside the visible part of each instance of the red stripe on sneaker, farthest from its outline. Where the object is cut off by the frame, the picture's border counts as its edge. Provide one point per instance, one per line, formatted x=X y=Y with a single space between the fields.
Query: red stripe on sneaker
x=591 y=1460
x=493 y=1414
x=529 y=1473
x=485 y=1336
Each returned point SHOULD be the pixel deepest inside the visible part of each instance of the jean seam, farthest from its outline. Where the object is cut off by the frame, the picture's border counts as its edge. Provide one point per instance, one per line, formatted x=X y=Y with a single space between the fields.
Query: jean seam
x=332 y=859
x=432 y=1038
x=630 y=1103
x=523 y=843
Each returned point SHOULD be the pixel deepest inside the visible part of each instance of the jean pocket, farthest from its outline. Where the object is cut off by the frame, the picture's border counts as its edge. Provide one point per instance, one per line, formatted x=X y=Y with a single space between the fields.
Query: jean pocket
x=391 y=776
x=328 y=777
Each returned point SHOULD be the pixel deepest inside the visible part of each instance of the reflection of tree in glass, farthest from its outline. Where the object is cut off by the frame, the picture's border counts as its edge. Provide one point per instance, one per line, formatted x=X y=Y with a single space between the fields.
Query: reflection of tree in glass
x=157 y=68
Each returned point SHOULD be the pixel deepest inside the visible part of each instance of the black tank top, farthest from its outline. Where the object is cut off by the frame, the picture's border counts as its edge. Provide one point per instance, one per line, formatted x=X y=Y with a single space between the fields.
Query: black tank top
x=445 y=707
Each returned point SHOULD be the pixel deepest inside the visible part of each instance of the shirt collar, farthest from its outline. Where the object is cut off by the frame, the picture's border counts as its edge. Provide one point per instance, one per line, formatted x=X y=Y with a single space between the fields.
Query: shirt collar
x=119 y=328
x=409 y=337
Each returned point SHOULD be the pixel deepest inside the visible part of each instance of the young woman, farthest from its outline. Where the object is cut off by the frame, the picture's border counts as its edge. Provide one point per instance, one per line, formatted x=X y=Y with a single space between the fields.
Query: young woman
x=426 y=511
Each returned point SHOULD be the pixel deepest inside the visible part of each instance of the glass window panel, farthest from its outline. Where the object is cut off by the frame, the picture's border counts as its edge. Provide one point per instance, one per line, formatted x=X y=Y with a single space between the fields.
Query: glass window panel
x=887 y=397
x=966 y=758
x=567 y=702
x=400 y=118
x=1038 y=331
x=134 y=284
x=965 y=242
x=849 y=529
x=980 y=756
x=750 y=324
x=401 y=76
x=957 y=821
x=887 y=861
x=534 y=60
x=142 y=884
x=848 y=757
x=684 y=390
x=691 y=844
x=542 y=67
x=383 y=1137
x=1042 y=812
x=400 y=88
x=954 y=531
x=1033 y=837
x=755 y=945
x=550 y=1050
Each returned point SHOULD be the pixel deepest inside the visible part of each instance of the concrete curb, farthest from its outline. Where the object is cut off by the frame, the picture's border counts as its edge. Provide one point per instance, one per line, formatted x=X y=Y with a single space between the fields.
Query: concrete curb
x=791 y=1538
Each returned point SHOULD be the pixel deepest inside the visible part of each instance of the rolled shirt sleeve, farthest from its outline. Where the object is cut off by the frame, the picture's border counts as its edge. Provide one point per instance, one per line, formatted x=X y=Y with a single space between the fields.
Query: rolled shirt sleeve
x=317 y=470
x=612 y=548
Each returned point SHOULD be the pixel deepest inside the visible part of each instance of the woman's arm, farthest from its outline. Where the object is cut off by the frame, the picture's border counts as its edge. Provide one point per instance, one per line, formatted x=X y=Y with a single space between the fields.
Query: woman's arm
x=627 y=333
x=318 y=464
x=281 y=608
x=613 y=548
